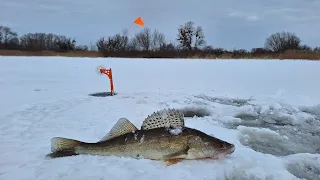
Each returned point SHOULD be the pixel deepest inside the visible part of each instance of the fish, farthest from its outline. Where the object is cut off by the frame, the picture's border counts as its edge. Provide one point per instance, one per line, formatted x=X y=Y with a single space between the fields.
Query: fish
x=163 y=136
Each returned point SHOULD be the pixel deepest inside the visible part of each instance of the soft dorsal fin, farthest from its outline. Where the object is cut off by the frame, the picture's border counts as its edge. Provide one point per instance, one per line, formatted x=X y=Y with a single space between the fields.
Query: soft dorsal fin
x=163 y=118
x=123 y=126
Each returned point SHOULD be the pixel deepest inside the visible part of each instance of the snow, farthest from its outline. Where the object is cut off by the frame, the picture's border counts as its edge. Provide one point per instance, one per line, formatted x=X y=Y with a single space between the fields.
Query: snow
x=175 y=130
x=268 y=109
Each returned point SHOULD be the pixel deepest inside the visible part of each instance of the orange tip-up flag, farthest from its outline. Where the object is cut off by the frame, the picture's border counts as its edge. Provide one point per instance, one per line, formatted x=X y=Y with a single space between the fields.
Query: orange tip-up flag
x=139 y=21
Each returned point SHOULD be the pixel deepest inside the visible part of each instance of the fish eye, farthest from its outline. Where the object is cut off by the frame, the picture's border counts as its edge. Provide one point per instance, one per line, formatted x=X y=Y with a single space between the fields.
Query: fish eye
x=221 y=145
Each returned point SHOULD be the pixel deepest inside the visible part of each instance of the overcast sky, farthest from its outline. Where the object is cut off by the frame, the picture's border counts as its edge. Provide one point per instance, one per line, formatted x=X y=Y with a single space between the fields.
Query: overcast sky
x=226 y=23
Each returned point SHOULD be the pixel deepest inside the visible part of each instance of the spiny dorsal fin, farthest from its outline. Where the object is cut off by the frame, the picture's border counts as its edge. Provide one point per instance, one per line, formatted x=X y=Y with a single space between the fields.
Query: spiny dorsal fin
x=163 y=118
x=123 y=126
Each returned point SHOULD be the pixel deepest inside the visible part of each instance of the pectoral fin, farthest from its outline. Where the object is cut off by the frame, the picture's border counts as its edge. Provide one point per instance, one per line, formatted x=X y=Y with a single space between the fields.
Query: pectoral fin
x=179 y=154
x=176 y=157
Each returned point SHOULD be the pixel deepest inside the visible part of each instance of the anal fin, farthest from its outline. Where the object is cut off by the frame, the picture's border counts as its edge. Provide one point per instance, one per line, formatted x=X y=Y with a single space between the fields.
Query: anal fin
x=123 y=126
x=172 y=161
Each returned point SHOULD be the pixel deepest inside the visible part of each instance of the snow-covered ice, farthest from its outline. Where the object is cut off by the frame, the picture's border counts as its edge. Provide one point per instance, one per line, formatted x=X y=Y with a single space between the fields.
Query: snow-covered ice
x=269 y=109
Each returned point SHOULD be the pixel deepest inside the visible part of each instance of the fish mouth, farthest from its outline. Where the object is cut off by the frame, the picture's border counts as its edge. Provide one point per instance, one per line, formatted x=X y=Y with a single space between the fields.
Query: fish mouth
x=224 y=152
x=228 y=150
x=231 y=149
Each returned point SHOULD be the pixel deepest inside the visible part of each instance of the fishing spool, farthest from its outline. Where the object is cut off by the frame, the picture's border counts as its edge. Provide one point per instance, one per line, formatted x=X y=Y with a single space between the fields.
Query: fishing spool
x=100 y=69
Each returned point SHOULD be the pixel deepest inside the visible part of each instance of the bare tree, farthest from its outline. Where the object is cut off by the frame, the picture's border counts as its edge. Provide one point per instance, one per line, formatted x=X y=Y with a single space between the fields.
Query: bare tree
x=1 y=34
x=305 y=47
x=81 y=48
x=190 y=37
x=114 y=43
x=117 y=43
x=282 y=41
x=50 y=40
x=133 y=45
x=259 y=51
x=8 y=38
x=43 y=41
x=316 y=49
x=158 y=39
x=101 y=44
x=144 y=39
x=65 y=43
x=199 y=39
x=168 y=47
x=207 y=49
x=93 y=47
x=34 y=41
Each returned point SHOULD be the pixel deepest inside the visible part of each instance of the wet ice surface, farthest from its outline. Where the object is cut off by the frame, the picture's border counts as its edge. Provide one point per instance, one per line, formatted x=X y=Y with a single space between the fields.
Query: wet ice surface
x=282 y=129
x=289 y=132
x=273 y=120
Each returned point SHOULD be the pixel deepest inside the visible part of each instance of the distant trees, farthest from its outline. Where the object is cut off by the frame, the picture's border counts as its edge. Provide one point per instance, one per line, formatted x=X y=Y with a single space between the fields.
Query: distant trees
x=146 y=40
x=8 y=38
x=305 y=48
x=190 y=37
x=37 y=41
x=316 y=49
x=114 y=43
x=167 y=47
x=282 y=41
x=43 y=41
x=143 y=40
x=190 y=41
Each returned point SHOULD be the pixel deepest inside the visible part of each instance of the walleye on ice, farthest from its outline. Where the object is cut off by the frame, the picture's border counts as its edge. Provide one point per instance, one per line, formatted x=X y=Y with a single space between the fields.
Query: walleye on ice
x=163 y=136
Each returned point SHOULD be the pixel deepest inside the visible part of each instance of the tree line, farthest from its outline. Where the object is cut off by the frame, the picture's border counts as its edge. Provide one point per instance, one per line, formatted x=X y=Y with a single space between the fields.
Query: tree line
x=190 y=41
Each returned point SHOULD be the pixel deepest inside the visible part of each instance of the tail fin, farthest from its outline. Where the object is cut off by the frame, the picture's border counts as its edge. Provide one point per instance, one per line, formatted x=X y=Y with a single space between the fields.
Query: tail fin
x=63 y=144
x=62 y=147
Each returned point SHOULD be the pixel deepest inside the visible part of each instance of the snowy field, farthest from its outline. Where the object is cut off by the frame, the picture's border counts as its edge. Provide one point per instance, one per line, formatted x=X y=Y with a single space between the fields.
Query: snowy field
x=269 y=109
